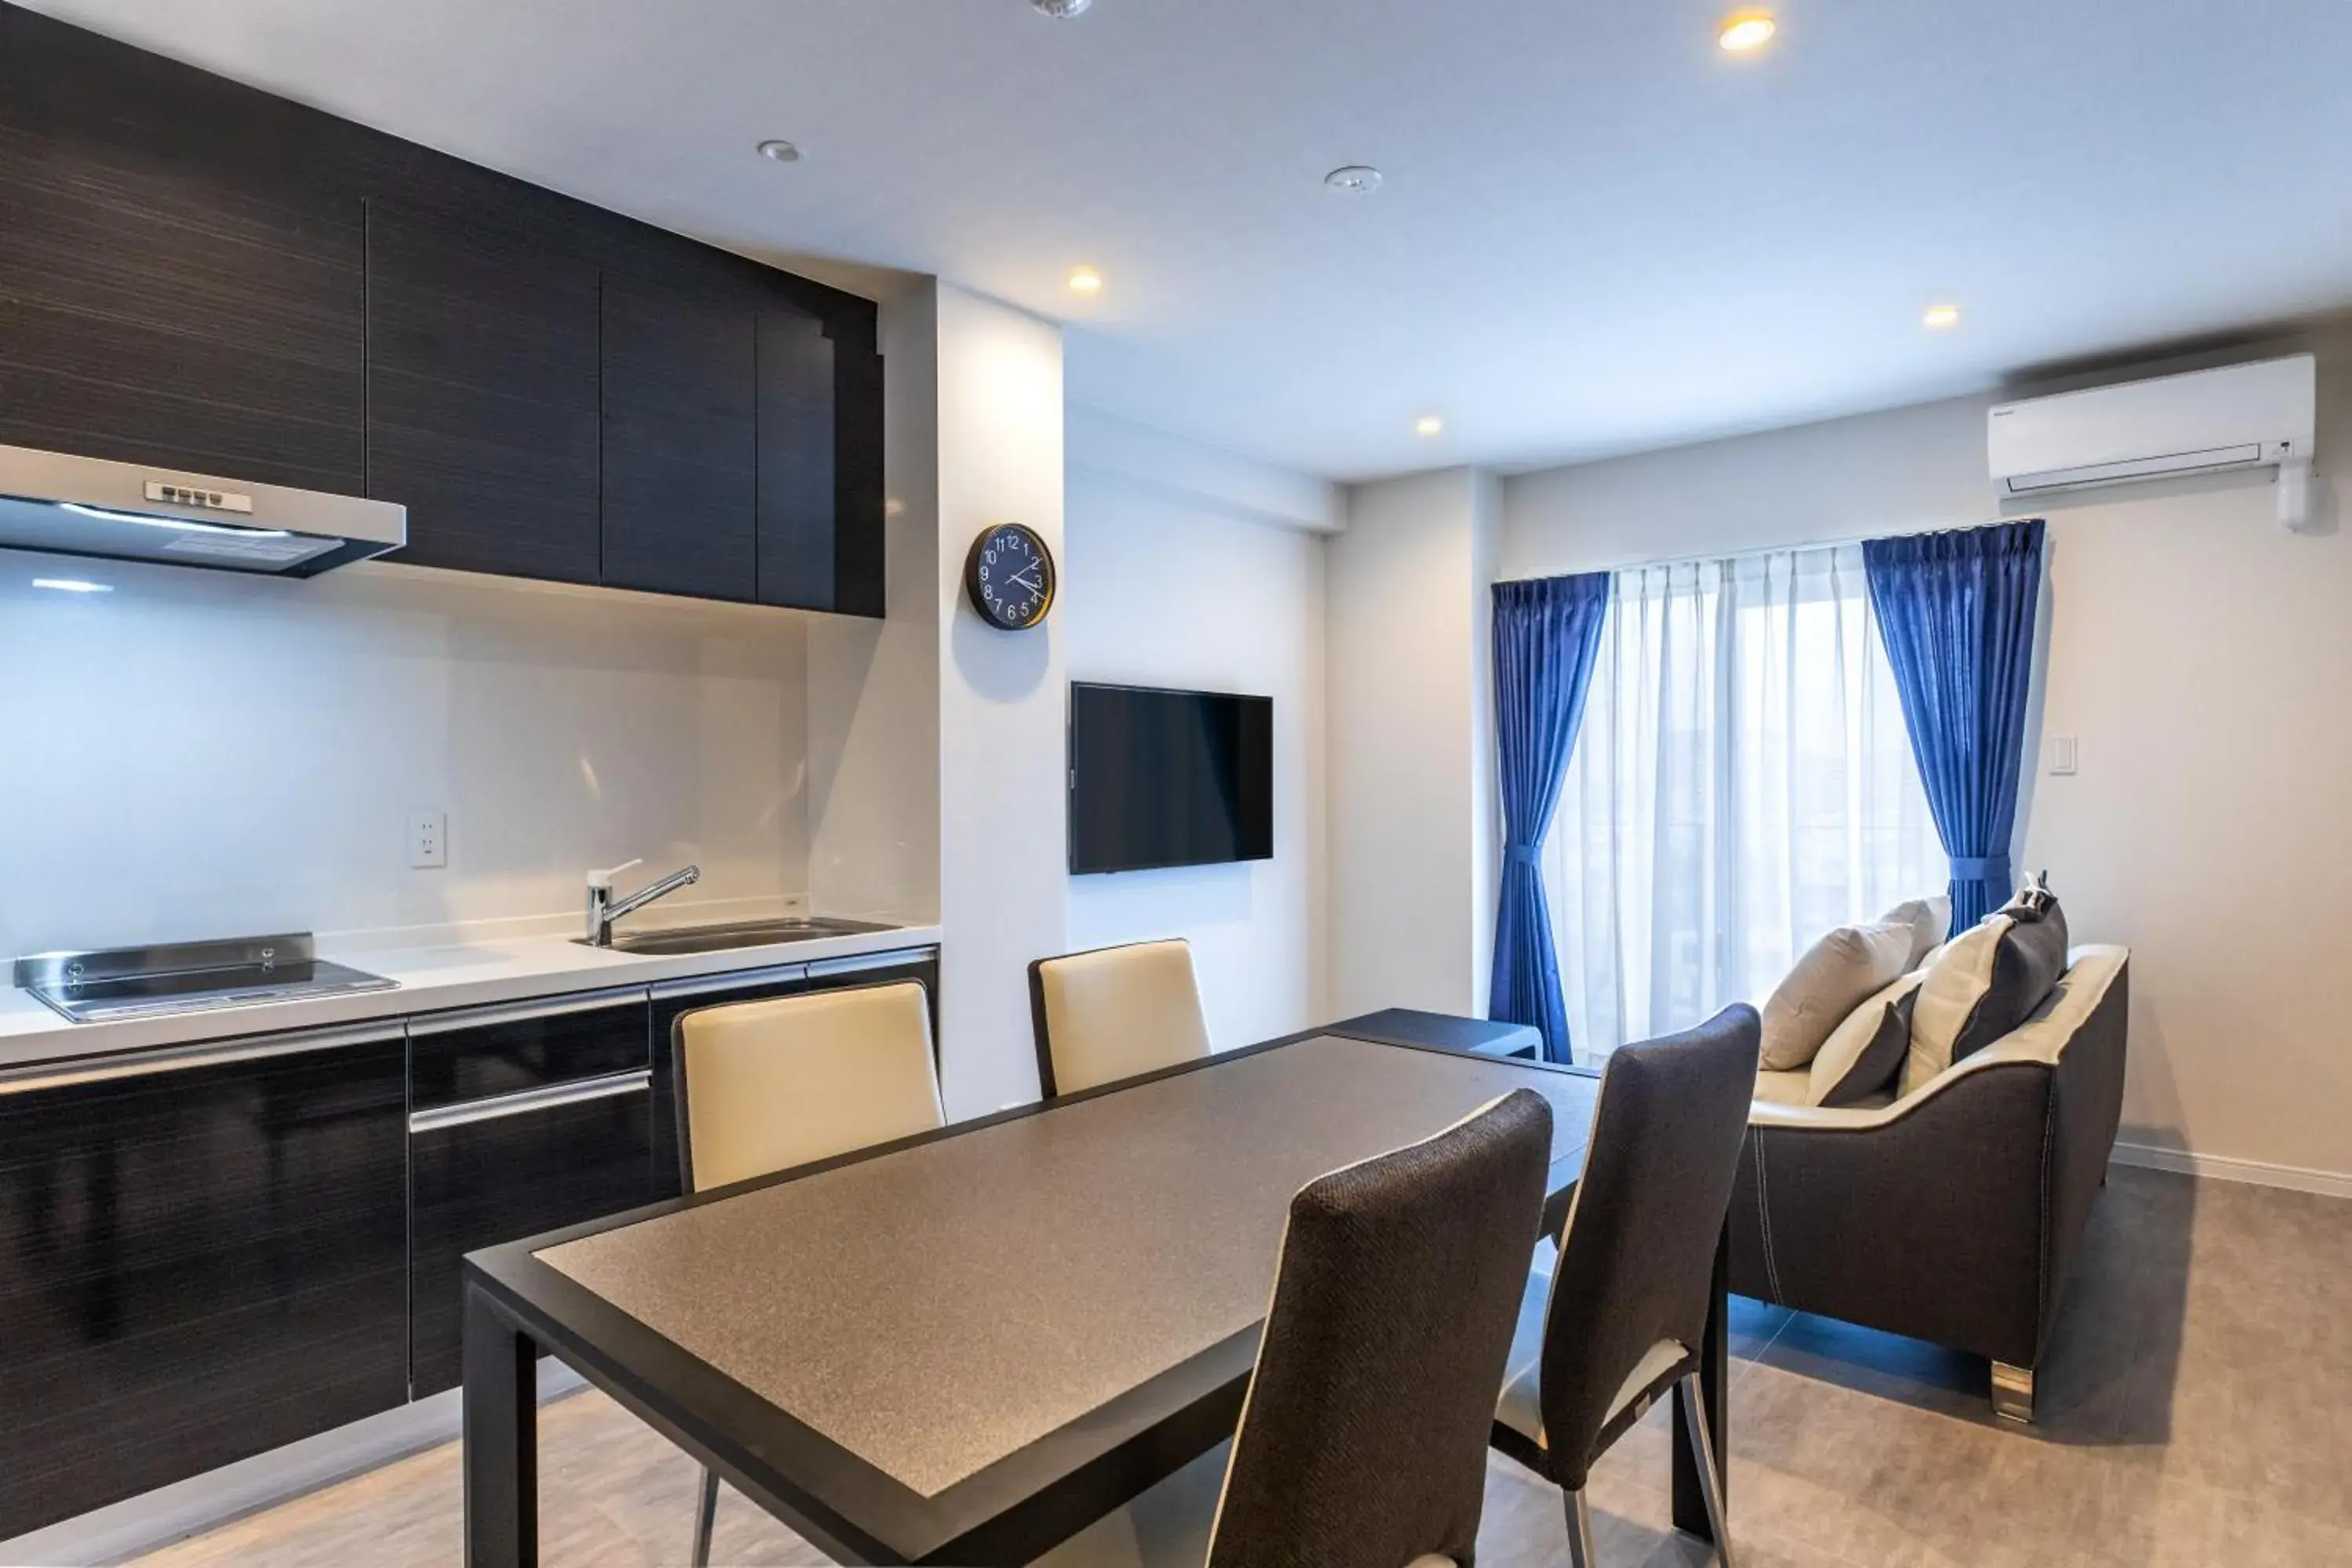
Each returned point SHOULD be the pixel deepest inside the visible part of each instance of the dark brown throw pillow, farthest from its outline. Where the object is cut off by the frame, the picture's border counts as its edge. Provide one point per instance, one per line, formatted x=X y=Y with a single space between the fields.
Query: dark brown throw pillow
x=1881 y=1059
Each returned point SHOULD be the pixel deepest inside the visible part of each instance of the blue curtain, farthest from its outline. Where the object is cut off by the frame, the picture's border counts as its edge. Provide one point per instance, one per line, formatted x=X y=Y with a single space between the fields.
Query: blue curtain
x=1956 y=614
x=1547 y=633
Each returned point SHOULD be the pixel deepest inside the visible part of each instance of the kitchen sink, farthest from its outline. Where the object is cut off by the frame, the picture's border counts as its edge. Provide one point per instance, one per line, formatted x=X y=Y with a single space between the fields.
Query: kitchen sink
x=741 y=933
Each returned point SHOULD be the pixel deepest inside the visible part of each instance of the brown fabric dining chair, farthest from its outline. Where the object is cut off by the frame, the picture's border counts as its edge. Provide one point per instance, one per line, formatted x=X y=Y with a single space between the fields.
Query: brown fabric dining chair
x=764 y=1086
x=1618 y=1319
x=1362 y=1440
x=1114 y=1013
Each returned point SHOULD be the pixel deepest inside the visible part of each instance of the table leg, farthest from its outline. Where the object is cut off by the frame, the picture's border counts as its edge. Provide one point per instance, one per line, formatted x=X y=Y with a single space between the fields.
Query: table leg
x=1714 y=1374
x=501 y=1440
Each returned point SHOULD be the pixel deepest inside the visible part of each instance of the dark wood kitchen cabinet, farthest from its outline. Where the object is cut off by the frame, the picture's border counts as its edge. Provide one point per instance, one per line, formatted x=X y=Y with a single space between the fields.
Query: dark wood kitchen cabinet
x=482 y=383
x=202 y=275
x=681 y=438
x=202 y=1257
x=522 y=1120
x=150 y=314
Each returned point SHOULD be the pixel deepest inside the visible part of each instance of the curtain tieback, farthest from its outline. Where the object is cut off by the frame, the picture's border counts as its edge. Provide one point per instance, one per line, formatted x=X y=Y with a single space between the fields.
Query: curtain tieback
x=1522 y=855
x=1992 y=869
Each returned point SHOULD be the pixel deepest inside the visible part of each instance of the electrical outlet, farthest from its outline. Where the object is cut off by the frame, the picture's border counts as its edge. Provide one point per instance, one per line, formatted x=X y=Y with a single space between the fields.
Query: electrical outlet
x=428 y=840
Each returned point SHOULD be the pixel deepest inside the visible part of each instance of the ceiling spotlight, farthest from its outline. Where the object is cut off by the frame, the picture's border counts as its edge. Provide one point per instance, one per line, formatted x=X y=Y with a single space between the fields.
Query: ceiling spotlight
x=779 y=151
x=1744 y=32
x=1085 y=280
x=72 y=586
x=1428 y=425
x=1941 y=317
x=1354 y=180
x=1060 y=10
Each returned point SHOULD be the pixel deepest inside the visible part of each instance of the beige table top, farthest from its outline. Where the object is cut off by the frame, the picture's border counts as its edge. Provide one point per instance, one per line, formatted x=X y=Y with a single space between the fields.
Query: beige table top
x=937 y=1308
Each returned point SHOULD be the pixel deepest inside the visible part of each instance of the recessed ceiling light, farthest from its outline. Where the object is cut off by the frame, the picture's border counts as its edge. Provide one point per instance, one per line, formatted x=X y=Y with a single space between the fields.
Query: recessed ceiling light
x=1941 y=317
x=1746 y=31
x=779 y=151
x=1085 y=280
x=73 y=586
x=1060 y=10
x=1428 y=425
x=1354 y=180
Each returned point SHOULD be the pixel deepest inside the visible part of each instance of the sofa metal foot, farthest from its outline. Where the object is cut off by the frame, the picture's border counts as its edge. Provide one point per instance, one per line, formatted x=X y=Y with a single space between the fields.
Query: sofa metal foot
x=2013 y=1393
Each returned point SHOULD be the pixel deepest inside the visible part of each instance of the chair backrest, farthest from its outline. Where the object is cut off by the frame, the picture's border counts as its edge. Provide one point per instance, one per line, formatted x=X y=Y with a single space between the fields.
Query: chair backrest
x=764 y=1086
x=1109 y=1015
x=1363 y=1437
x=1638 y=1258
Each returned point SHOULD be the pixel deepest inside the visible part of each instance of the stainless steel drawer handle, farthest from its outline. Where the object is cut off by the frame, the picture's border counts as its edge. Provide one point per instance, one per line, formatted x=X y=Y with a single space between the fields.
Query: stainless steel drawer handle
x=524 y=1101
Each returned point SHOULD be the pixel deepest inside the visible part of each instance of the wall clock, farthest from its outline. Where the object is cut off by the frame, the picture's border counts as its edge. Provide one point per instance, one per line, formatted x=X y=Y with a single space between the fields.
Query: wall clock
x=1009 y=577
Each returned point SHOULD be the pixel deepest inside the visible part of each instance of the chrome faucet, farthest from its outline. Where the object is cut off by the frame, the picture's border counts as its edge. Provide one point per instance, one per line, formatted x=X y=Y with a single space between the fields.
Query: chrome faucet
x=603 y=911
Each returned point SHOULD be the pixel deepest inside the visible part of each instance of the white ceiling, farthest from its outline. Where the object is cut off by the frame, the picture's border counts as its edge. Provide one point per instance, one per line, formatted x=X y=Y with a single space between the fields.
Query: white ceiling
x=1598 y=233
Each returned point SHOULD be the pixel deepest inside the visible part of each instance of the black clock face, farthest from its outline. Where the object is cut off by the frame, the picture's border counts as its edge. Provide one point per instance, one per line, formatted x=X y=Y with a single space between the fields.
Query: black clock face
x=1009 y=577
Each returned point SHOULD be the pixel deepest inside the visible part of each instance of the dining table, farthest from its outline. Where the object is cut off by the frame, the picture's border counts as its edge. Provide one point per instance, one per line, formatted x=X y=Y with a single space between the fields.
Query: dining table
x=965 y=1346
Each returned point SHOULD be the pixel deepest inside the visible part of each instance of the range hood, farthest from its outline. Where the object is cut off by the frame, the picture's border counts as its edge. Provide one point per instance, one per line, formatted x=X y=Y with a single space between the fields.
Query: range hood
x=88 y=506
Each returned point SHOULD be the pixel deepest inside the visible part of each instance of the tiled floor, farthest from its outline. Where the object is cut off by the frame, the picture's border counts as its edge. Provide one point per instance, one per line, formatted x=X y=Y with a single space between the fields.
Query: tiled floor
x=2197 y=1412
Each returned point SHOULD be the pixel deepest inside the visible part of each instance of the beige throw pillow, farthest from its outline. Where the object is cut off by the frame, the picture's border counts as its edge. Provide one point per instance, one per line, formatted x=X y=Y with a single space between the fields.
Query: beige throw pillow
x=1955 y=980
x=1930 y=920
x=1833 y=978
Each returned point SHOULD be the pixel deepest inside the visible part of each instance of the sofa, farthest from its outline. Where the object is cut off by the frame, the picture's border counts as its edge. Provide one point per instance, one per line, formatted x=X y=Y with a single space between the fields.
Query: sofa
x=1952 y=1210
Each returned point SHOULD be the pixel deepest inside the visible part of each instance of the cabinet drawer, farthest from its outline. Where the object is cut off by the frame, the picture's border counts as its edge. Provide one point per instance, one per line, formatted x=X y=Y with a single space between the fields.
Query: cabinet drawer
x=487 y=1052
x=499 y=1171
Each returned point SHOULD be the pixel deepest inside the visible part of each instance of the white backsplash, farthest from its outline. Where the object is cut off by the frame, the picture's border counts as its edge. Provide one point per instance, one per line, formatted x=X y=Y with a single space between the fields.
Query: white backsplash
x=197 y=753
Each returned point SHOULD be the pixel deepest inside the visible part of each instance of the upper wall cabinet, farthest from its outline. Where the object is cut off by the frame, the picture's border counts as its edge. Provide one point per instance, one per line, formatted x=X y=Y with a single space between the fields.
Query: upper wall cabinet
x=482 y=381
x=681 y=448
x=198 y=275
x=150 y=315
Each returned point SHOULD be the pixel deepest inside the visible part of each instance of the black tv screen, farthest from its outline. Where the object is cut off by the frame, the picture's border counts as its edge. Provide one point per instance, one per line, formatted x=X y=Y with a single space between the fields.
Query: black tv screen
x=1168 y=778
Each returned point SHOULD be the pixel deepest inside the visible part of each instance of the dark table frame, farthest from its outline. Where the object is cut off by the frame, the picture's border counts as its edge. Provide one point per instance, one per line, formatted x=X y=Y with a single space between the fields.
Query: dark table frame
x=1009 y=1513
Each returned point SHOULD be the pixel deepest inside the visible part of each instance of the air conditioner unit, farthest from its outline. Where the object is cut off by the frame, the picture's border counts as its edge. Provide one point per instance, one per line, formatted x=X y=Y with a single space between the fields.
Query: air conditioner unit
x=2207 y=421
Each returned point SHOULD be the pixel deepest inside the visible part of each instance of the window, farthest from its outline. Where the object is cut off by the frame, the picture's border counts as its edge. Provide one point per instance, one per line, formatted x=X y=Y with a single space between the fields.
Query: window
x=1741 y=783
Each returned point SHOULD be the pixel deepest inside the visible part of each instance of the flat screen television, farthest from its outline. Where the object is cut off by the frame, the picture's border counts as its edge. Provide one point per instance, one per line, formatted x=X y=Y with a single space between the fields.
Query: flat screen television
x=1168 y=778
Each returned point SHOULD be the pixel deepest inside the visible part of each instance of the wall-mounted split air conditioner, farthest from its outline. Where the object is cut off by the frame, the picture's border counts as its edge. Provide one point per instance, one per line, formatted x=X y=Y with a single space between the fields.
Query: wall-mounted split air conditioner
x=2209 y=421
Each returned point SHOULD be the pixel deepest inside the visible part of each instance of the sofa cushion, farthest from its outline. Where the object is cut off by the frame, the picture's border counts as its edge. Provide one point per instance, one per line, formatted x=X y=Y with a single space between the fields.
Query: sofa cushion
x=1930 y=920
x=1832 y=980
x=1782 y=1087
x=1862 y=1057
x=1984 y=983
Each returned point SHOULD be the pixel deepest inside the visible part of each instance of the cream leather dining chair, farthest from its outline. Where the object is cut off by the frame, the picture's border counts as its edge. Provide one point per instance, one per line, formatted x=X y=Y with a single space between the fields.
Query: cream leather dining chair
x=765 y=1086
x=1114 y=1013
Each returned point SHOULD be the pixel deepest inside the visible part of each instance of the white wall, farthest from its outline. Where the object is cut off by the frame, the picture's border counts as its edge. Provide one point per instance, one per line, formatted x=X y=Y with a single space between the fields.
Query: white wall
x=1189 y=567
x=1409 y=722
x=2199 y=651
x=202 y=754
x=1003 y=891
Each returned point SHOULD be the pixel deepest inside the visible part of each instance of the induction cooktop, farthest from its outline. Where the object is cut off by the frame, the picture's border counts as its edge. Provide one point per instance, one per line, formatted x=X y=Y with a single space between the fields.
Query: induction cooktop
x=114 y=984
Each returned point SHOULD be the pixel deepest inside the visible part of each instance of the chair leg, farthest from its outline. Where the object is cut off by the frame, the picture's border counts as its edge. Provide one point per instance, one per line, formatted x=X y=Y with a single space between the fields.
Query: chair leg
x=2013 y=1393
x=1579 y=1531
x=706 y=1515
x=1702 y=1444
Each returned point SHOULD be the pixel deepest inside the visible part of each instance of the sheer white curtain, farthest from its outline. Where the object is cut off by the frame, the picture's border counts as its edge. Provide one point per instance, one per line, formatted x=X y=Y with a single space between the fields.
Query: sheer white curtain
x=1742 y=783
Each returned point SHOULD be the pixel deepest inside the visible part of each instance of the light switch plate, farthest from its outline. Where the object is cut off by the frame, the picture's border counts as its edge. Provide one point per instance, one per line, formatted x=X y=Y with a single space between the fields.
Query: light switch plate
x=428 y=840
x=2061 y=754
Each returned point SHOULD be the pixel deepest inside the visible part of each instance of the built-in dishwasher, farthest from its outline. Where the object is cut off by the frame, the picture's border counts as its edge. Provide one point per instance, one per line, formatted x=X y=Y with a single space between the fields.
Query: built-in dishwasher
x=521 y=1119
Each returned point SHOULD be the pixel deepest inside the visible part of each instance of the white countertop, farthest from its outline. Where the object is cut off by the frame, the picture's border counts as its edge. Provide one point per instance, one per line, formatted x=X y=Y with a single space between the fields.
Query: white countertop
x=463 y=974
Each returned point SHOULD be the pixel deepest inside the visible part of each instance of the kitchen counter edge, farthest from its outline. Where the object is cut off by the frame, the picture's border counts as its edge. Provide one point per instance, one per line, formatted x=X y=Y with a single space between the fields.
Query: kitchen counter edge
x=431 y=980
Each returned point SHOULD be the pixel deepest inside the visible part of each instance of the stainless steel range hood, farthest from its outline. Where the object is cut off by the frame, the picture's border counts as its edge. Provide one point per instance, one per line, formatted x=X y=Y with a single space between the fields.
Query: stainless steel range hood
x=88 y=506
